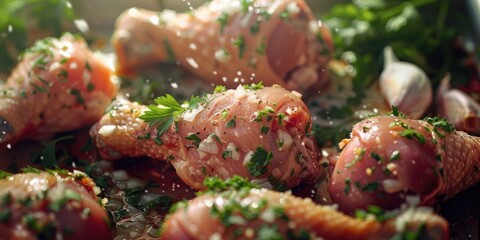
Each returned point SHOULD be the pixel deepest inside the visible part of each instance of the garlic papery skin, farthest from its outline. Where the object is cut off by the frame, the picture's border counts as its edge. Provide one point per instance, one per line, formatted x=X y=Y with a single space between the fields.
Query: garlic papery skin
x=461 y=110
x=405 y=86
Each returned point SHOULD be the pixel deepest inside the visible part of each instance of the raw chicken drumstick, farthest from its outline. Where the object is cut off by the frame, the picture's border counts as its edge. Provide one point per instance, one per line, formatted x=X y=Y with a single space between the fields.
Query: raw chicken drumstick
x=390 y=159
x=59 y=85
x=41 y=205
x=265 y=214
x=255 y=133
x=229 y=42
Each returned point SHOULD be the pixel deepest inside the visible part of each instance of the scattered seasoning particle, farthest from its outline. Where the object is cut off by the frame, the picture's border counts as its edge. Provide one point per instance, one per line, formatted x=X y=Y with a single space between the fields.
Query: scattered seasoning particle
x=369 y=187
x=245 y=5
x=222 y=20
x=395 y=155
x=264 y=130
x=90 y=87
x=261 y=49
x=204 y=171
x=442 y=123
x=38 y=89
x=284 y=15
x=220 y=89
x=281 y=117
x=62 y=76
x=232 y=123
x=193 y=137
x=259 y=162
x=348 y=186
x=227 y=154
x=376 y=157
x=216 y=138
x=146 y=137
x=78 y=96
x=224 y=114
x=240 y=44
x=87 y=66
x=412 y=134
x=395 y=112
x=366 y=129
x=359 y=152
x=4 y=174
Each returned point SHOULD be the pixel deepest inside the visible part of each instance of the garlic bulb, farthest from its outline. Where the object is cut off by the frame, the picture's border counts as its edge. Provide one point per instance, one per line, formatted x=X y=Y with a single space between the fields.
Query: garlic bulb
x=461 y=110
x=405 y=85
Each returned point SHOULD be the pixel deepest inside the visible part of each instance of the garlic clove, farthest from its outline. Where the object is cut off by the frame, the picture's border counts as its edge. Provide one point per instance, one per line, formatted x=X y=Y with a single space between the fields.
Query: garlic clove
x=405 y=86
x=461 y=110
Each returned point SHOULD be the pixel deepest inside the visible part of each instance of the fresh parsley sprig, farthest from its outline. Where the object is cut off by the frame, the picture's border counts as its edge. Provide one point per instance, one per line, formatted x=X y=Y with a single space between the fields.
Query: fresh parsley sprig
x=167 y=110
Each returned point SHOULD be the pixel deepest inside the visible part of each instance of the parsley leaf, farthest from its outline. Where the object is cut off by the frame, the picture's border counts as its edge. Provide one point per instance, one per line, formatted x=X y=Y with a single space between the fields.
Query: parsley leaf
x=259 y=162
x=167 y=111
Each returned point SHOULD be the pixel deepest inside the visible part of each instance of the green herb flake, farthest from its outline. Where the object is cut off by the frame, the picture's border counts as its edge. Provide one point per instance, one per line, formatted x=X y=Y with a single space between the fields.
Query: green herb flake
x=395 y=155
x=395 y=112
x=194 y=138
x=90 y=87
x=4 y=174
x=241 y=45
x=219 y=89
x=264 y=130
x=222 y=20
x=369 y=187
x=259 y=162
x=78 y=96
x=412 y=134
x=348 y=186
x=375 y=156
x=232 y=123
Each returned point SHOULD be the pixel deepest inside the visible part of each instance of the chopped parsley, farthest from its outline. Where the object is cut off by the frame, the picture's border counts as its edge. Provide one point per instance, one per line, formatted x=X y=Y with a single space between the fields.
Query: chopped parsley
x=240 y=44
x=222 y=20
x=375 y=156
x=259 y=162
x=395 y=155
x=264 y=130
x=68 y=195
x=395 y=112
x=167 y=110
x=215 y=184
x=412 y=134
x=4 y=174
x=348 y=186
x=442 y=123
x=254 y=86
x=380 y=214
x=194 y=138
x=269 y=232
x=369 y=187
x=232 y=123
x=219 y=89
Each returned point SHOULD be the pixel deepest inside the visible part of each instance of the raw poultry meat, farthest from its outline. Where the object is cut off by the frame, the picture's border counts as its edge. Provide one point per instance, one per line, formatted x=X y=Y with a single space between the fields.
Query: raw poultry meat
x=230 y=42
x=256 y=133
x=59 y=85
x=51 y=205
x=265 y=214
x=389 y=160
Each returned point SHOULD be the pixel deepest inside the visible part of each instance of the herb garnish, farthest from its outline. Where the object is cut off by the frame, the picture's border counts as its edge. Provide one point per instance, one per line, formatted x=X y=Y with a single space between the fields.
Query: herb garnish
x=259 y=162
x=379 y=214
x=167 y=111
x=240 y=44
x=222 y=19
